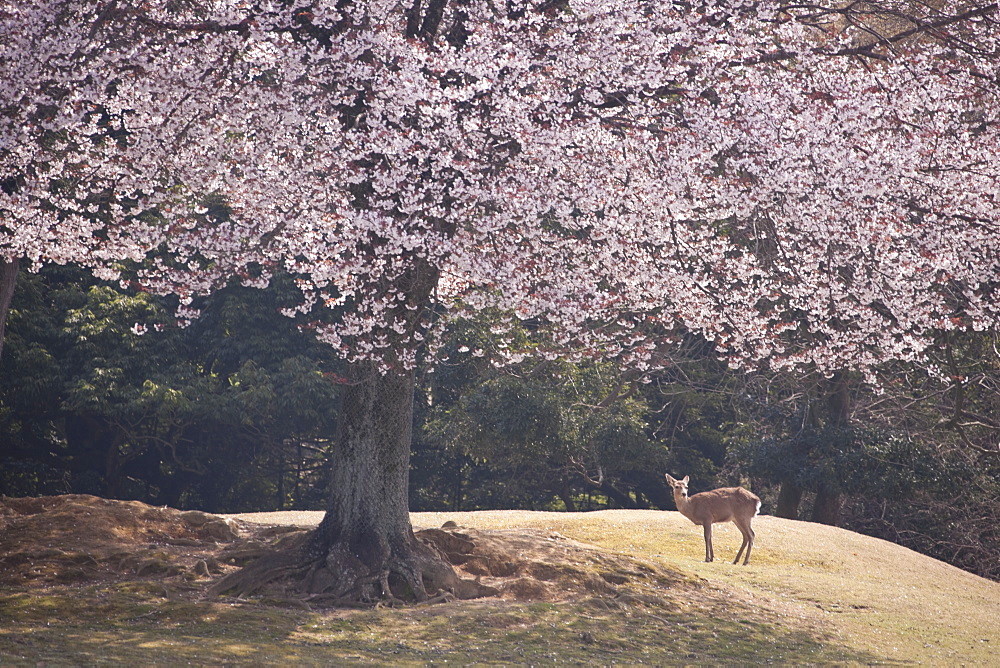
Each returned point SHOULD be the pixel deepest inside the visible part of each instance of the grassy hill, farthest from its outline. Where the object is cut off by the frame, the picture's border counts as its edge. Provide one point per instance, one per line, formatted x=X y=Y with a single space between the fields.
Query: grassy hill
x=812 y=594
x=870 y=599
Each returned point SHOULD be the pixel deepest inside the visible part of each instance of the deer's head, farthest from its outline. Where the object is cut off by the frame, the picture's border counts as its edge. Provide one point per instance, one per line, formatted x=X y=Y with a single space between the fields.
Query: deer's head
x=680 y=486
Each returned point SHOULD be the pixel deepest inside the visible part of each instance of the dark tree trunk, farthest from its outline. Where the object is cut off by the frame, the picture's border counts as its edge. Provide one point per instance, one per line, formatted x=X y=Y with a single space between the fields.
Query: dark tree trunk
x=8 y=281
x=789 y=499
x=114 y=465
x=829 y=498
x=367 y=524
x=619 y=497
x=566 y=494
x=365 y=548
x=826 y=510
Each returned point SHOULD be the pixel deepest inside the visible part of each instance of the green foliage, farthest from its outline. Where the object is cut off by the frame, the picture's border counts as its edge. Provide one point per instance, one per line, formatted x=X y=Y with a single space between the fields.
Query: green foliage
x=903 y=472
x=88 y=404
x=539 y=435
x=851 y=459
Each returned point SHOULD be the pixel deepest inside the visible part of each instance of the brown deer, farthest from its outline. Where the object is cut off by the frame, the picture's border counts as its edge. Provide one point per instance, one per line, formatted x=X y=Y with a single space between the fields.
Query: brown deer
x=726 y=504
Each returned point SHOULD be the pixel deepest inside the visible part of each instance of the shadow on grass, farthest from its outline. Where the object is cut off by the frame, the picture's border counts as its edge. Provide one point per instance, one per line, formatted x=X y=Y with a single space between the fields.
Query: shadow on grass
x=112 y=625
x=594 y=632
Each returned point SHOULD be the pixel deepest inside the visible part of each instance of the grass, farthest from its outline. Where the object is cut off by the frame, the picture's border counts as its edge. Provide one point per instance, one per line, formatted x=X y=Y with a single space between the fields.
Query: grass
x=812 y=595
x=57 y=630
x=866 y=595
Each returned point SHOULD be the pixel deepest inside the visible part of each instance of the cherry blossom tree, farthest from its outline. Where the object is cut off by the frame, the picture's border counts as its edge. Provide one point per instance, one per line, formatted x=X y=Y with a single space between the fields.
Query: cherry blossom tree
x=805 y=185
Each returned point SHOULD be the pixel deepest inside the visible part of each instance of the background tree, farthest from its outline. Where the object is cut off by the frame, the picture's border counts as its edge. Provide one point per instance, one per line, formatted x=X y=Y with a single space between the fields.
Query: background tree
x=806 y=187
x=90 y=404
x=548 y=434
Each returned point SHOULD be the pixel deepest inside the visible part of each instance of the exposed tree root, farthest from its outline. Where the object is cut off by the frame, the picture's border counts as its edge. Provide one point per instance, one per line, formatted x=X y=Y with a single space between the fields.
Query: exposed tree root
x=261 y=573
x=417 y=573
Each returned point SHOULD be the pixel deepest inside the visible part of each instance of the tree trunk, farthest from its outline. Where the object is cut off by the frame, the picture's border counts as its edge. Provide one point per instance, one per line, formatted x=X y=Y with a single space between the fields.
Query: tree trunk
x=367 y=524
x=114 y=464
x=622 y=499
x=365 y=547
x=8 y=281
x=826 y=510
x=566 y=494
x=365 y=550
x=789 y=499
x=829 y=499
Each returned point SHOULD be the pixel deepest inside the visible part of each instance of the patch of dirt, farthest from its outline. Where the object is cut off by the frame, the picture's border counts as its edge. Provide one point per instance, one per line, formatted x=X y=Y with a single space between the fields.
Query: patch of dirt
x=86 y=539
x=537 y=565
x=80 y=540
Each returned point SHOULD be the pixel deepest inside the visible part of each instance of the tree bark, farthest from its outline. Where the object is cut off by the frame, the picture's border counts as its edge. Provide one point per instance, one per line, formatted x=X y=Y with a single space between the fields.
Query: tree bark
x=826 y=510
x=829 y=498
x=114 y=463
x=367 y=519
x=365 y=548
x=566 y=494
x=789 y=499
x=619 y=497
x=8 y=281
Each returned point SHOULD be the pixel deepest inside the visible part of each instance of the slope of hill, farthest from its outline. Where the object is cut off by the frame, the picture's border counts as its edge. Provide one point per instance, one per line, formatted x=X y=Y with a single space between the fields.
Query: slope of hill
x=865 y=594
x=877 y=600
x=85 y=580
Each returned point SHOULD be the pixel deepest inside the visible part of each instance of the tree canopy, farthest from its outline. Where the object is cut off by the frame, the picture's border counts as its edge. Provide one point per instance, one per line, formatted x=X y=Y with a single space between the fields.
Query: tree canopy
x=802 y=184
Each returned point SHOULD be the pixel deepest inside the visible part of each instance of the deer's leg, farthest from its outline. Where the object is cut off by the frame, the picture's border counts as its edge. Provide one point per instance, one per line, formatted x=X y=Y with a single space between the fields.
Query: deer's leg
x=709 y=552
x=748 y=536
x=750 y=544
x=740 y=553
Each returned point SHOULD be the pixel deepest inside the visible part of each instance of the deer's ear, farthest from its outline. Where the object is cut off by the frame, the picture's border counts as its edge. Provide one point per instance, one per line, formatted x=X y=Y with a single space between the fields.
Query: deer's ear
x=669 y=479
x=686 y=478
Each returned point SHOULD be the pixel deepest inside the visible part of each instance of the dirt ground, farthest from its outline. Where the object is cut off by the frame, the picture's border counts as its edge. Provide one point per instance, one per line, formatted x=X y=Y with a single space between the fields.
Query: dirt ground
x=79 y=540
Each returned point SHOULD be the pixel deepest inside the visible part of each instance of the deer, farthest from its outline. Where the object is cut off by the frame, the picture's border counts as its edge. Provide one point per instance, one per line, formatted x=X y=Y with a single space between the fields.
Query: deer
x=726 y=504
